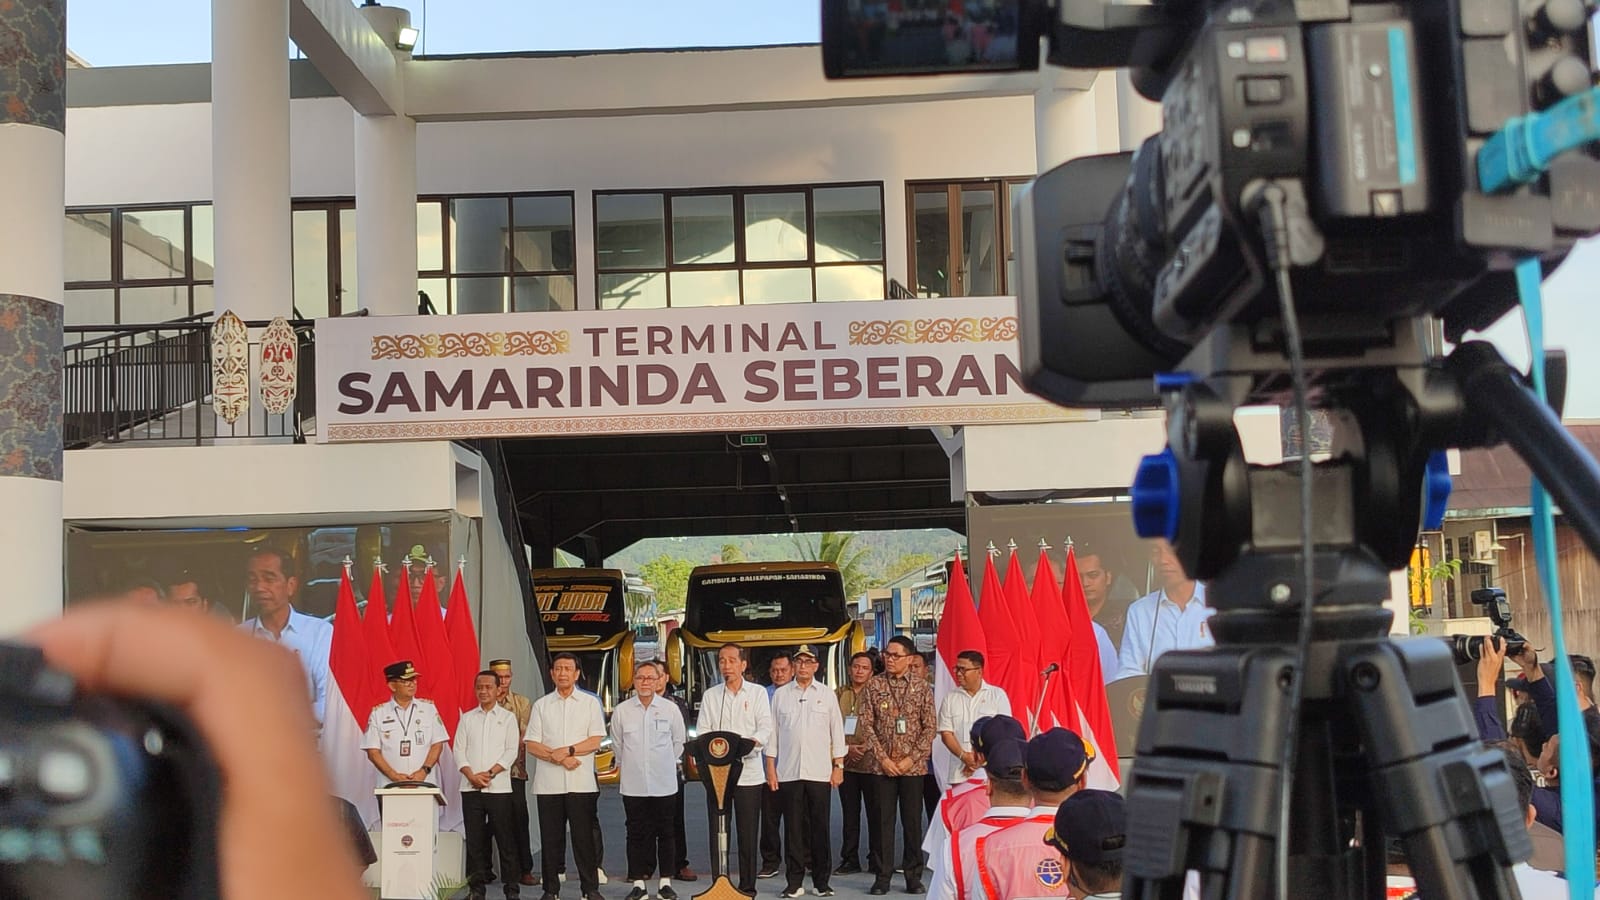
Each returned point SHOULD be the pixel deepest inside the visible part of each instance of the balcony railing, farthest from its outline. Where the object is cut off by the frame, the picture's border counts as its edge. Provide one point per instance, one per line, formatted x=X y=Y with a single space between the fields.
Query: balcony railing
x=152 y=383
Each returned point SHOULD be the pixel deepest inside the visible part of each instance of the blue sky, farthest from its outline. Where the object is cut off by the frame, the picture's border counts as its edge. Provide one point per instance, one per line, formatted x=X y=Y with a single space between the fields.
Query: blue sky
x=118 y=32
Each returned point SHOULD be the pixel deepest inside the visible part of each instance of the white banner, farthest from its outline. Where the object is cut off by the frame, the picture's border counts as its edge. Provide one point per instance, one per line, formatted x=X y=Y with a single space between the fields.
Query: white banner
x=802 y=365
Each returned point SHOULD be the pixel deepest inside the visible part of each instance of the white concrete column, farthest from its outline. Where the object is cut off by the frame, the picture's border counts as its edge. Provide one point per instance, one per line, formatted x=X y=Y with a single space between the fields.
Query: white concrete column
x=33 y=150
x=1070 y=122
x=250 y=157
x=1138 y=118
x=386 y=215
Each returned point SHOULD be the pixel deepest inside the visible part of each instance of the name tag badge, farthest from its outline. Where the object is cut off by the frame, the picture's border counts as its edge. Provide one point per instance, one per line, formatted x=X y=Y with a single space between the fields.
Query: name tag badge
x=405 y=748
x=899 y=724
x=850 y=725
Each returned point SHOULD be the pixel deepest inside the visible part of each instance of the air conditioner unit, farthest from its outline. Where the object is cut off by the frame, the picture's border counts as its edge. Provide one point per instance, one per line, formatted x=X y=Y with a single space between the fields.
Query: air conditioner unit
x=1482 y=540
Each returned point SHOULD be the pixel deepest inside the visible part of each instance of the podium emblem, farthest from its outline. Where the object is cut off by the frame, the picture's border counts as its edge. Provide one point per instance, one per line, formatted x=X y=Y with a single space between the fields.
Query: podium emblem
x=719 y=748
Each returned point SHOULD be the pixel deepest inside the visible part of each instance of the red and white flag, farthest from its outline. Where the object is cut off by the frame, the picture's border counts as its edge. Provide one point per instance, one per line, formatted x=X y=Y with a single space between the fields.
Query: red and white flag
x=403 y=627
x=1023 y=682
x=380 y=650
x=959 y=630
x=998 y=630
x=1088 y=684
x=345 y=719
x=437 y=682
x=1055 y=634
x=463 y=636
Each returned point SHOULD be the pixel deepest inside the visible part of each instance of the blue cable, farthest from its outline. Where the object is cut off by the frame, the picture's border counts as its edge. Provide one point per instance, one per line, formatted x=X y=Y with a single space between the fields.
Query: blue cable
x=1520 y=152
x=1577 y=781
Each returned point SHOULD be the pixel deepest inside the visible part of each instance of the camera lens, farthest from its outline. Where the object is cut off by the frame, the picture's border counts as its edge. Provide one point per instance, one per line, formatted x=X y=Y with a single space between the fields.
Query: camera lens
x=1132 y=248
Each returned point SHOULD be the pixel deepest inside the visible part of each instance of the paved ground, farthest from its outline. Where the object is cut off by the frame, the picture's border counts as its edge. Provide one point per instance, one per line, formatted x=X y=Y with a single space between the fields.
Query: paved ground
x=847 y=887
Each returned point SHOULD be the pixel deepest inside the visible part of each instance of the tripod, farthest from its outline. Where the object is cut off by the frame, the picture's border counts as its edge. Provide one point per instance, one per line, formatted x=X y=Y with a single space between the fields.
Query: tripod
x=1387 y=748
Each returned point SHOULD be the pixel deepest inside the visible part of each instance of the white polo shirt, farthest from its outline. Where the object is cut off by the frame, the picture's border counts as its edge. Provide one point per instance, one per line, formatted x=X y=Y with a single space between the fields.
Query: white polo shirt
x=557 y=722
x=960 y=709
x=808 y=732
x=648 y=741
x=484 y=740
x=747 y=713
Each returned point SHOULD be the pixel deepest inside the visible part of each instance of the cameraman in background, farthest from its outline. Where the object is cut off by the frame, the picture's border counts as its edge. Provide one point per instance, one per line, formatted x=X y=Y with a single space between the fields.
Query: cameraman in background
x=1486 y=711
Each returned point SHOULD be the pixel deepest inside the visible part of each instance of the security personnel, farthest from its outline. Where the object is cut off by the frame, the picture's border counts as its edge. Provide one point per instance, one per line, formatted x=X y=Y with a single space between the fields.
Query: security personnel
x=1014 y=861
x=968 y=801
x=404 y=735
x=1090 y=833
x=1010 y=802
x=522 y=707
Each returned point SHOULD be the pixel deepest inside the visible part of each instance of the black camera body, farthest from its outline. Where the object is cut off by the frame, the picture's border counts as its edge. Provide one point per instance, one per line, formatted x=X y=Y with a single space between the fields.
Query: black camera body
x=99 y=797
x=1468 y=648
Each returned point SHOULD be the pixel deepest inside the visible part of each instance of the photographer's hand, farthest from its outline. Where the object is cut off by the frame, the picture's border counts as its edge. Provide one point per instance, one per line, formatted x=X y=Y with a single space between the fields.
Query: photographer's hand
x=1491 y=663
x=1528 y=659
x=247 y=698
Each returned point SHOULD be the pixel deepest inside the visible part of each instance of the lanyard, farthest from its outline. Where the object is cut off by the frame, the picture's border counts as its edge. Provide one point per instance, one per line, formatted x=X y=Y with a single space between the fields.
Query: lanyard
x=405 y=727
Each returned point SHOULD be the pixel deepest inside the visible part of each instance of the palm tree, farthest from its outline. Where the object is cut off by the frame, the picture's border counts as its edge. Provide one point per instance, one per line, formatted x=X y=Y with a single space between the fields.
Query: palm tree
x=835 y=547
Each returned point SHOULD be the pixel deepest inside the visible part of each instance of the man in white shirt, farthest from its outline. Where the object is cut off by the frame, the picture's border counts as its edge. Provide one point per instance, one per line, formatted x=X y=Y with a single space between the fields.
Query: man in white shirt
x=487 y=740
x=738 y=706
x=805 y=761
x=271 y=584
x=972 y=701
x=564 y=731
x=1172 y=618
x=404 y=735
x=647 y=735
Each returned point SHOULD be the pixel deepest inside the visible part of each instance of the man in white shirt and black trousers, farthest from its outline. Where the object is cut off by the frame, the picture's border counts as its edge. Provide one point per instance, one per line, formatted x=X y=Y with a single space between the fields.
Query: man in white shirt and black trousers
x=647 y=735
x=486 y=745
x=564 y=731
x=805 y=762
x=738 y=706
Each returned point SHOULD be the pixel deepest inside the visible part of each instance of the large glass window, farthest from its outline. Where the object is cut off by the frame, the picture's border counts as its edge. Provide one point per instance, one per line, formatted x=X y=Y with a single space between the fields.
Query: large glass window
x=961 y=237
x=499 y=253
x=137 y=264
x=728 y=247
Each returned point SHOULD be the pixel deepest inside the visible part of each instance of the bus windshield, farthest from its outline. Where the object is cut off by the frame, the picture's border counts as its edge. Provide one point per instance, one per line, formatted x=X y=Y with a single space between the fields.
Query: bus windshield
x=753 y=597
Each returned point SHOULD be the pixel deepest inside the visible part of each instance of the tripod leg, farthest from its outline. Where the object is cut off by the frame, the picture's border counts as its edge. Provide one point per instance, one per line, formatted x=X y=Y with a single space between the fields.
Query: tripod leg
x=1435 y=786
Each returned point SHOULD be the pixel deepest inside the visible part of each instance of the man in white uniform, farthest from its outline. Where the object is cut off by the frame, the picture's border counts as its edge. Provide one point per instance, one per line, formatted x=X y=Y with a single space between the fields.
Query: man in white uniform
x=404 y=735
x=487 y=741
x=738 y=706
x=564 y=731
x=805 y=761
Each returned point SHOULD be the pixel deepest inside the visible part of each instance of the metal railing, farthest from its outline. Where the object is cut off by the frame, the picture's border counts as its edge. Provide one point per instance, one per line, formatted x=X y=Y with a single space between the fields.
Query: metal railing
x=127 y=383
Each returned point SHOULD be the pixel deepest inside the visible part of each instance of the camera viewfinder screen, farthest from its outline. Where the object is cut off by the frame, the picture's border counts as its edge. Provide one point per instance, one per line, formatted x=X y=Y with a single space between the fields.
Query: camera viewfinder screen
x=913 y=37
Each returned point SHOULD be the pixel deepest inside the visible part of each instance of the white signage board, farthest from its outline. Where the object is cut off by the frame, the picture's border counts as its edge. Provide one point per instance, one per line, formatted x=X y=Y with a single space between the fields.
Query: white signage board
x=802 y=365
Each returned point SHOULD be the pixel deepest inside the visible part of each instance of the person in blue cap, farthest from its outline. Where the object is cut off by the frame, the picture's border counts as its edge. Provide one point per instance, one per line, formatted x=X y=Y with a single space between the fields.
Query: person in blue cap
x=1090 y=832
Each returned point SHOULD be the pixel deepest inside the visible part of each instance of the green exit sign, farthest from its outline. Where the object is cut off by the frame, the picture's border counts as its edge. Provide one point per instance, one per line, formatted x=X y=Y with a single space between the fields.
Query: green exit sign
x=752 y=440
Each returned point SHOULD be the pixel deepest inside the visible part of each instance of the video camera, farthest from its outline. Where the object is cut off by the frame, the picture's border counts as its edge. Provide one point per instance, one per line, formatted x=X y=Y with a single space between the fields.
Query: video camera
x=1467 y=648
x=1367 y=117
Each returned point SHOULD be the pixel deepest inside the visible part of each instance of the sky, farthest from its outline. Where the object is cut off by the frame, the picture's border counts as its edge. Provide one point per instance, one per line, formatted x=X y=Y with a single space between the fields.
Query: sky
x=117 y=32
x=173 y=31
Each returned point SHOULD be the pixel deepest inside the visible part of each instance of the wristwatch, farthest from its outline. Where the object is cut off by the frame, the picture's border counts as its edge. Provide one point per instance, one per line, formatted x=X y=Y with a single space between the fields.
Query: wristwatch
x=838 y=765
x=427 y=769
x=572 y=750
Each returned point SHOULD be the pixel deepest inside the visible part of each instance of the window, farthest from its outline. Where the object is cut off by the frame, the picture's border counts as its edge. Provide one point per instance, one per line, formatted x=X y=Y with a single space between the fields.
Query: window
x=726 y=247
x=324 y=240
x=137 y=264
x=961 y=242
x=497 y=253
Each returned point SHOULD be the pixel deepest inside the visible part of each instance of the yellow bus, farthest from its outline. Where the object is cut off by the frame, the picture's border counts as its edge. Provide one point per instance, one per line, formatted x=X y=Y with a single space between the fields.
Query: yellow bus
x=766 y=608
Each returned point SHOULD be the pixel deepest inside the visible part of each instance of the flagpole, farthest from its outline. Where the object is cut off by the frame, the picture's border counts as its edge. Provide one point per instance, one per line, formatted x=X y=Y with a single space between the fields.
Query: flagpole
x=1033 y=723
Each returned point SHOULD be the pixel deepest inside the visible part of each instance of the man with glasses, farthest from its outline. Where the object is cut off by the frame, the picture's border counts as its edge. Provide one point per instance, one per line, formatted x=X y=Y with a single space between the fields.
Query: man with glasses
x=897 y=724
x=974 y=700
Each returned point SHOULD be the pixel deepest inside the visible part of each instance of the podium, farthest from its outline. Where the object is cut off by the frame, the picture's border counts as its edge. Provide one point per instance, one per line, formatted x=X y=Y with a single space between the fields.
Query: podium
x=410 y=833
x=719 y=755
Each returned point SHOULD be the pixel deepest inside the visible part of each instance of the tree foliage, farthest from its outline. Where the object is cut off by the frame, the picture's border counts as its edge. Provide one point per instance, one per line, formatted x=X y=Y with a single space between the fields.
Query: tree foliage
x=731 y=553
x=837 y=547
x=906 y=564
x=670 y=577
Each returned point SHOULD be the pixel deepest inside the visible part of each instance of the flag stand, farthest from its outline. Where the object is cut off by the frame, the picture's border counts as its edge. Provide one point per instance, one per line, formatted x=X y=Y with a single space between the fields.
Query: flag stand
x=1033 y=722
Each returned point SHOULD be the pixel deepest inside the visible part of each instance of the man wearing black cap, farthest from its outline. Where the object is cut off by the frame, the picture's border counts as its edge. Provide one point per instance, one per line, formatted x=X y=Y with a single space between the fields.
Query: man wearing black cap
x=1012 y=862
x=956 y=875
x=969 y=801
x=522 y=708
x=805 y=760
x=1090 y=832
x=404 y=734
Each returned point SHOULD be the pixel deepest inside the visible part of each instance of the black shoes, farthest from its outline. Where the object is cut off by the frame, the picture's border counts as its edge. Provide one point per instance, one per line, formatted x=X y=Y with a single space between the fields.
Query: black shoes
x=823 y=891
x=847 y=868
x=769 y=872
x=548 y=896
x=916 y=888
x=878 y=889
x=667 y=893
x=638 y=893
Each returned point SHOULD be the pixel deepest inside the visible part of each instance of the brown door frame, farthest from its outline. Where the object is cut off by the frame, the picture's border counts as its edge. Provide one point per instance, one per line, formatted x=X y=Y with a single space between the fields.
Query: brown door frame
x=957 y=234
x=335 y=275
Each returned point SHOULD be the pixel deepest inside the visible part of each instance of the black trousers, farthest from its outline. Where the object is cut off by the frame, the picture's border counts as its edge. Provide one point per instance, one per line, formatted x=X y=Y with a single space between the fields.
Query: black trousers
x=857 y=790
x=931 y=791
x=681 y=836
x=490 y=818
x=524 y=845
x=652 y=846
x=806 y=805
x=771 y=830
x=556 y=813
x=900 y=794
x=745 y=811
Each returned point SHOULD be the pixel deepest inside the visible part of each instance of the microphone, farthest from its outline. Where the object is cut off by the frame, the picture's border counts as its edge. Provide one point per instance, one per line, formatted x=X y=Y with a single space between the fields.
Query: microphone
x=1050 y=671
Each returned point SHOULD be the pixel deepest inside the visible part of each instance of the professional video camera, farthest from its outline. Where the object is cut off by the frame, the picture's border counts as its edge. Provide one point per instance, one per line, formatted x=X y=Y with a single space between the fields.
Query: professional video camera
x=1336 y=179
x=1468 y=648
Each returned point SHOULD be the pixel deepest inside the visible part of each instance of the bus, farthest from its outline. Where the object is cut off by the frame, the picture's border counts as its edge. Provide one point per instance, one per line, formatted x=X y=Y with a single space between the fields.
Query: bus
x=585 y=613
x=764 y=607
x=640 y=600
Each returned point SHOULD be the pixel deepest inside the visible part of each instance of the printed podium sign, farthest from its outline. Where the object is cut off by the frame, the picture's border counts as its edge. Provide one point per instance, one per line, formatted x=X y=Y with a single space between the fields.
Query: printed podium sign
x=410 y=835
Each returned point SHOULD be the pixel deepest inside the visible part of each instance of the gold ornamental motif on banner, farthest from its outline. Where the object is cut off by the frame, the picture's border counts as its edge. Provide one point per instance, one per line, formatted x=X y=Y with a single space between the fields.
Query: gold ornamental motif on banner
x=944 y=330
x=470 y=343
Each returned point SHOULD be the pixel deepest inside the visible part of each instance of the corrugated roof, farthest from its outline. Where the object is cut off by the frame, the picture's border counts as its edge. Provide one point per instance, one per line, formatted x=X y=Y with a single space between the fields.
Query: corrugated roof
x=1495 y=482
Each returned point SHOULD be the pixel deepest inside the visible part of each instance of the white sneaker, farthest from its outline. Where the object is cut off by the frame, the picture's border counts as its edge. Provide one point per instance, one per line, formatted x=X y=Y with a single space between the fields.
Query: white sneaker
x=601 y=873
x=793 y=892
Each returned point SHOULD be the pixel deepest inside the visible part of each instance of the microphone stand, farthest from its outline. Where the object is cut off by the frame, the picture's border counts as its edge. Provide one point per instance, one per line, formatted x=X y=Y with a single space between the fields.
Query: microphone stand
x=1033 y=723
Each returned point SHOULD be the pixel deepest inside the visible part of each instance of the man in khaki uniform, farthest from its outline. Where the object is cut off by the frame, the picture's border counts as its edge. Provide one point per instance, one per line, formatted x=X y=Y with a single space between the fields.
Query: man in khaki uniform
x=522 y=707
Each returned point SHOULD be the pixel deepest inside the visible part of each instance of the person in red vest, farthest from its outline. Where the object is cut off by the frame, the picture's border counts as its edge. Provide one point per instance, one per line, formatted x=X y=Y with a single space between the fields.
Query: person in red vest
x=1014 y=861
x=968 y=801
x=1009 y=802
x=1091 y=832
